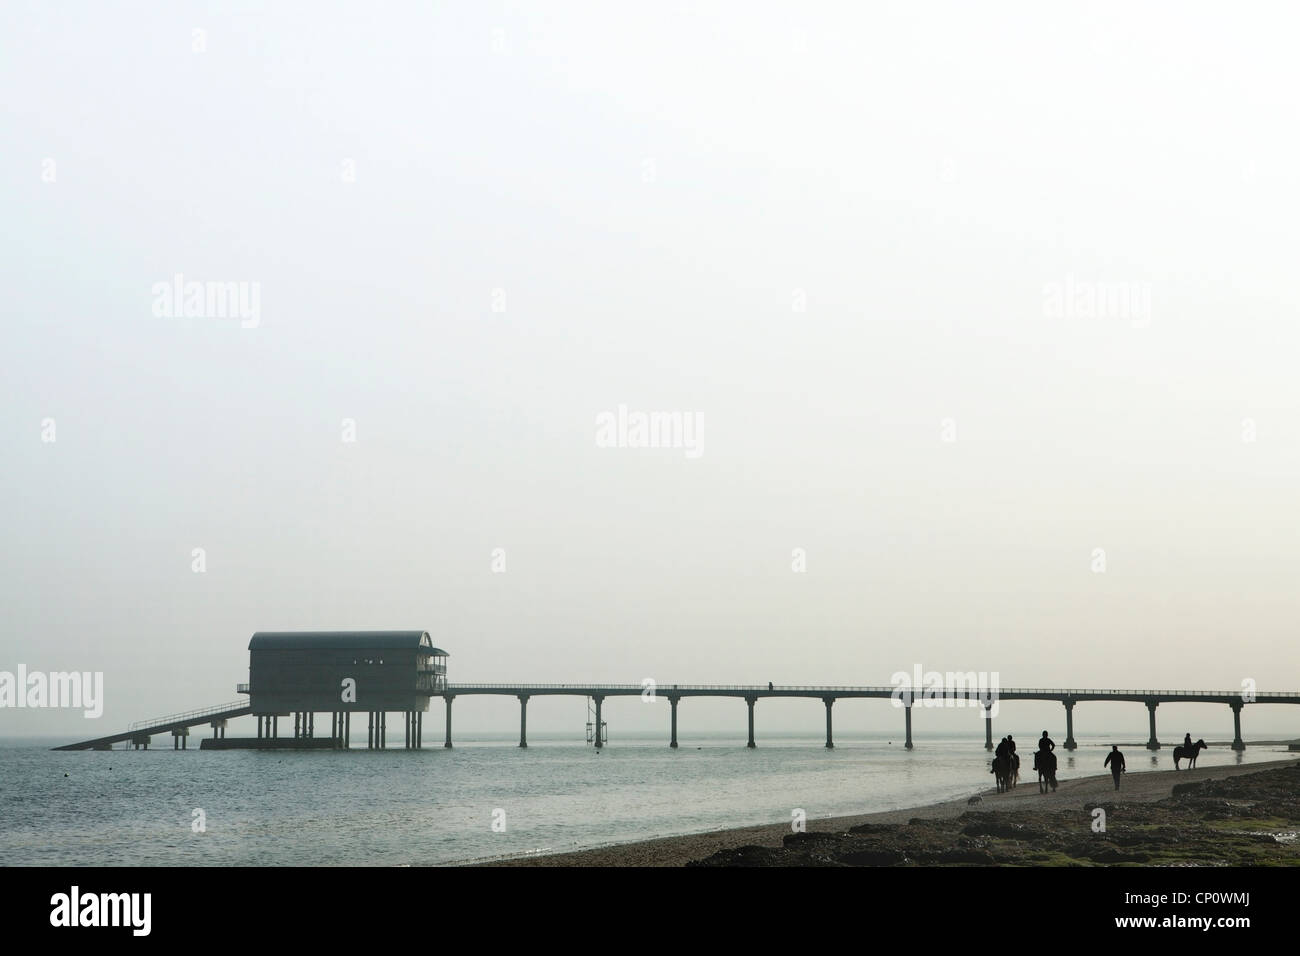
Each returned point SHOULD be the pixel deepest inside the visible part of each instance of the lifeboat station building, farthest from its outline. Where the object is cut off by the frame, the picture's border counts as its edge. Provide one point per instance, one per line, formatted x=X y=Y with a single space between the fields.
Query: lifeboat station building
x=300 y=674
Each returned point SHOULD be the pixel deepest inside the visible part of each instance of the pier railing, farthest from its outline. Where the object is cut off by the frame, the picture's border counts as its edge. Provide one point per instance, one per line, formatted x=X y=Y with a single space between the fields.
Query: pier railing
x=904 y=688
x=188 y=715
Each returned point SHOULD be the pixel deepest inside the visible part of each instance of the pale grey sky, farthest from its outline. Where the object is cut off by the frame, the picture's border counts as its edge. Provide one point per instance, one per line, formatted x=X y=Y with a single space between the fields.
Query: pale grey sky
x=959 y=293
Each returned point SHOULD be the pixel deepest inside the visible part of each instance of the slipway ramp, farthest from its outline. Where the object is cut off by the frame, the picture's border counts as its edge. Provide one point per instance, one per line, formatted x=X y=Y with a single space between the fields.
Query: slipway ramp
x=165 y=725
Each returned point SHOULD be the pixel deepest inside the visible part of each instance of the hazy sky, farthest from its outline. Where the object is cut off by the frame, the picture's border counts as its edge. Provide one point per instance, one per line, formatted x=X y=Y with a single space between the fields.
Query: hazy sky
x=956 y=294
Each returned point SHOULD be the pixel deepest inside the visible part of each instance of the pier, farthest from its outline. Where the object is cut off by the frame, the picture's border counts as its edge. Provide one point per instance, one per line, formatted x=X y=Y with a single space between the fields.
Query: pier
x=904 y=699
x=300 y=674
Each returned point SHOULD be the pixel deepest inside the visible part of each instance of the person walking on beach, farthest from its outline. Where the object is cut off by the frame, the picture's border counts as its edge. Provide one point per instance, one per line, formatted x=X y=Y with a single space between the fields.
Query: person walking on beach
x=1116 y=761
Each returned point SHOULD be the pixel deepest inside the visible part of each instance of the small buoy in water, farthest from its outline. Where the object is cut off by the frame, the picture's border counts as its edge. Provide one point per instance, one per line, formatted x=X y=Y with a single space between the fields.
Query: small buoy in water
x=65 y=774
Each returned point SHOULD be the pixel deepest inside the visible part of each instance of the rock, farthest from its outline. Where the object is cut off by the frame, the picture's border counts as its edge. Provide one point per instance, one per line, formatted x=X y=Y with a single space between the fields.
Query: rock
x=805 y=838
x=873 y=858
x=743 y=856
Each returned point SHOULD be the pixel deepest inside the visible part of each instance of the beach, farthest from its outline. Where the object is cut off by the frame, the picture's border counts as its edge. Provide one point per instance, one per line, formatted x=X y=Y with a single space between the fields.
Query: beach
x=934 y=826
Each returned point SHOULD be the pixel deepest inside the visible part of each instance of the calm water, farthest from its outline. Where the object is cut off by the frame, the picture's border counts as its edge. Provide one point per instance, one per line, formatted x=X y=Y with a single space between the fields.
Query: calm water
x=437 y=806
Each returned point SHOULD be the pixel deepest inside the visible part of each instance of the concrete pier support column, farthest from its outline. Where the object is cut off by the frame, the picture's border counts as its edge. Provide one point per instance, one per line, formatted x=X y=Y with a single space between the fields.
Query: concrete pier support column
x=419 y=730
x=750 y=701
x=829 y=702
x=1237 y=743
x=988 y=727
x=673 y=703
x=259 y=727
x=370 y=730
x=275 y=725
x=1070 y=743
x=448 y=698
x=383 y=730
x=907 y=717
x=347 y=729
x=523 y=720
x=1153 y=743
x=600 y=737
x=311 y=724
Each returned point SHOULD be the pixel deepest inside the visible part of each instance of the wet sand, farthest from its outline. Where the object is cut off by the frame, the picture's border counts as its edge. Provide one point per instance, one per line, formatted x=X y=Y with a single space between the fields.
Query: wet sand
x=1073 y=793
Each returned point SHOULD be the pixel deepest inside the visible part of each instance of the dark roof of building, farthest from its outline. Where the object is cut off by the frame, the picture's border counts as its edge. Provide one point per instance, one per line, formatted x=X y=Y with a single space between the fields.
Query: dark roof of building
x=338 y=640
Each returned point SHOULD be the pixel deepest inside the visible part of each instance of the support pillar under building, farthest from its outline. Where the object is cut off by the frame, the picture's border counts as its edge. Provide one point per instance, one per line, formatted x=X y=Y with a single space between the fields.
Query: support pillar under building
x=907 y=718
x=448 y=698
x=1153 y=743
x=829 y=702
x=673 y=702
x=750 y=701
x=1070 y=743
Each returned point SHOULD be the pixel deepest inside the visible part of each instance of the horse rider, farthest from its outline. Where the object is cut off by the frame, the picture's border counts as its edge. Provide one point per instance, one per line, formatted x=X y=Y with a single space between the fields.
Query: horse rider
x=1187 y=741
x=1011 y=745
x=1045 y=746
x=1002 y=748
x=1115 y=760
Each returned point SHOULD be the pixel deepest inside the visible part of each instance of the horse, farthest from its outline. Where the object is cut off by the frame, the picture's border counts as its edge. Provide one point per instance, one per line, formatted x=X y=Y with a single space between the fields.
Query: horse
x=1004 y=772
x=1045 y=764
x=1182 y=752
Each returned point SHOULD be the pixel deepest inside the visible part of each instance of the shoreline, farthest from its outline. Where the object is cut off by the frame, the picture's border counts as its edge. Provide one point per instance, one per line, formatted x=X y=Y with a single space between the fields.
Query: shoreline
x=1143 y=787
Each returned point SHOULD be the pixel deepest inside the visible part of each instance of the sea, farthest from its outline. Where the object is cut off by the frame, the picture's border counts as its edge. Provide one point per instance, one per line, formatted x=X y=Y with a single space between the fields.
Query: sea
x=482 y=800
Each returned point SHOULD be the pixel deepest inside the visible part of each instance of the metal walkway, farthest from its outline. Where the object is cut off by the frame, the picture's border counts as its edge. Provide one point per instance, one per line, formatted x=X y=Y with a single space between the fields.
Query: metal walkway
x=165 y=725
